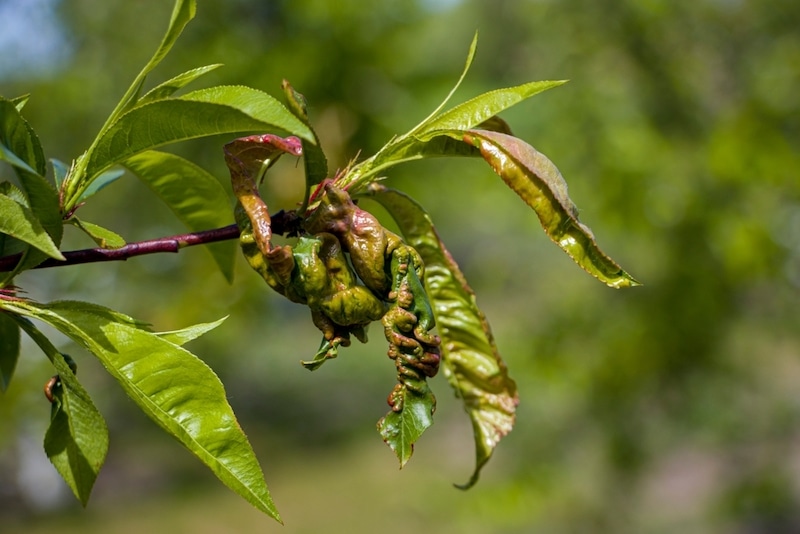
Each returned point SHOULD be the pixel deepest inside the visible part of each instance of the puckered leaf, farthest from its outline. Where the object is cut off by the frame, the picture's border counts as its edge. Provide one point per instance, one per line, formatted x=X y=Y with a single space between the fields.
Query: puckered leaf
x=400 y=430
x=470 y=359
x=9 y=349
x=194 y=196
x=171 y=385
x=539 y=183
x=76 y=441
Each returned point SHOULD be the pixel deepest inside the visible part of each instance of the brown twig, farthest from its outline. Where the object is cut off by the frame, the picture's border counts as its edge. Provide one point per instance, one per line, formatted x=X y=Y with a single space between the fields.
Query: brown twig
x=282 y=223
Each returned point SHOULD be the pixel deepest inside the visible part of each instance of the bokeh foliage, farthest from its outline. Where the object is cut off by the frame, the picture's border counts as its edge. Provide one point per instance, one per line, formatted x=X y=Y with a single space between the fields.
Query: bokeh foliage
x=671 y=407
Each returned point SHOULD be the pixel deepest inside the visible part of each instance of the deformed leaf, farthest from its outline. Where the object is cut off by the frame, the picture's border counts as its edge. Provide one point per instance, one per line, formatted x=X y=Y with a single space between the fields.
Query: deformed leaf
x=400 y=430
x=470 y=359
x=194 y=196
x=539 y=183
x=171 y=385
x=76 y=441
x=9 y=349
x=20 y=222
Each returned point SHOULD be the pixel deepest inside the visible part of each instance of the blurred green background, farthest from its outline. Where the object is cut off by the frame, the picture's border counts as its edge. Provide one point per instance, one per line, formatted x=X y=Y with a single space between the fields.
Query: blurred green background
x=667 y=408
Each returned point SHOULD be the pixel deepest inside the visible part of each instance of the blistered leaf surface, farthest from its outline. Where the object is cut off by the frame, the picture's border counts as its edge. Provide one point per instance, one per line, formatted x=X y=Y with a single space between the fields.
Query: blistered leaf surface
x=470 y=359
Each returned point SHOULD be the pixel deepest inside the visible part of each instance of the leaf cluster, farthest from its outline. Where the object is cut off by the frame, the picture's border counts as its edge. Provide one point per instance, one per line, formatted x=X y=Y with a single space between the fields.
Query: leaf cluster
x=169 y=383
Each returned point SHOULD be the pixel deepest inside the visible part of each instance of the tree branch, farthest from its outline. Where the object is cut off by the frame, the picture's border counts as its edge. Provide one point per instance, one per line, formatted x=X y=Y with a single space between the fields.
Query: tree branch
x=282 y=223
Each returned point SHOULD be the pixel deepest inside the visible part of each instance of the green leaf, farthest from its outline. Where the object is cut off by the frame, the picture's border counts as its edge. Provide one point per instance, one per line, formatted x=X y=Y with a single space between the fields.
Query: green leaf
x=19 y=139
x=193 y=195
x=470 y=359
x=185 y=335
x=171 y=385
x=428 y=138
x=400 y=430
x=470 y=57
x=60 y=170
x=20 y=222
x=20 y=101
x=216 y=110
x=9 y=349
x=540 y=184
x=101 y=181
x=169 y=87
x=77 y=440
x=182 y=12
x=12 y=159
x=104 y=237
x=314 y=160
x=483 y=107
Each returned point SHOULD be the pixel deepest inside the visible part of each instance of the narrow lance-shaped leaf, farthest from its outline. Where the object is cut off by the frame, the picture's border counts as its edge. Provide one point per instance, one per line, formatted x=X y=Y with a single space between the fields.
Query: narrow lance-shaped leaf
x=185 y=335
x=216 y=110
x=470 y=359
x=539 y=183
x=182 y=12
x=196 y=197
x=9 y=349
x=314 y=160
x=171 y=385
x=168 y=88
x=77 y=440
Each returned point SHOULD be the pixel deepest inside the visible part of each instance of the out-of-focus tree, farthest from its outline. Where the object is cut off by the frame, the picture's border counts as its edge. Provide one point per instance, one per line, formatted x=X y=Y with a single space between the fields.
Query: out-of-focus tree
x=662 y=408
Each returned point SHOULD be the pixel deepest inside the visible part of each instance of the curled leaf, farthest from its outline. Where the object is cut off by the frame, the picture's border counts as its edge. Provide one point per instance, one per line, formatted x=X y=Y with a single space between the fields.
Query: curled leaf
x=401 y=429
x=470 y=360
x=539 y=183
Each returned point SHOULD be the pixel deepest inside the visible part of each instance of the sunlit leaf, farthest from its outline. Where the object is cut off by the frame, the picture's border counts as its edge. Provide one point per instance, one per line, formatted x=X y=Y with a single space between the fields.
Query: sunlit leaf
x=20 y=101
x=168 y=88
x=104 y=237
x=76 y=441
x=194 y=196
x=216 y=110
x=429 y=139
x=314 y=160
x=171 y=385
x=18 y=138
x=540 y=184
x=483 y=107
x=470 y=359
x=400 y=430
x=20 y=222
x=182 y=12
x=9 y=349
x=185 y=335
x=470 y=57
